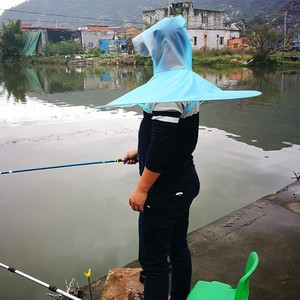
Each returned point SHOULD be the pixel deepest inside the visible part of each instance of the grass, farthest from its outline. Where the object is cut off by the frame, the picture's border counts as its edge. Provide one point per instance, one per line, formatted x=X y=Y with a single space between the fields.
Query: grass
x=287 y=60
x=214 y=58
x=220 y=58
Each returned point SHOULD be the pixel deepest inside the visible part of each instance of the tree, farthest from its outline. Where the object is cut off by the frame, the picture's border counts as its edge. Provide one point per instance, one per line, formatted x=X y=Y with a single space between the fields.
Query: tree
x=11 y=43
x=129 y=44
x=264 y=41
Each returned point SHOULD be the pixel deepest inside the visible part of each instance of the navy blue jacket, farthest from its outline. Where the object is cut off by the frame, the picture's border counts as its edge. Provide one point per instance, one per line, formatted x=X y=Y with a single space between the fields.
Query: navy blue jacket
x=167 y=139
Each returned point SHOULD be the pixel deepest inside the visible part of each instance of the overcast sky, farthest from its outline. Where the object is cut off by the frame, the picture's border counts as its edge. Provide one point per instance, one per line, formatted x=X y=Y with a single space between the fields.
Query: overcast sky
x=5 y=4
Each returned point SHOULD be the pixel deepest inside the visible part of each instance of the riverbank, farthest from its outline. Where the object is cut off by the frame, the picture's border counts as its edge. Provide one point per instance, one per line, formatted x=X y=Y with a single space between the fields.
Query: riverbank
x=270 y=226
x=214 y=59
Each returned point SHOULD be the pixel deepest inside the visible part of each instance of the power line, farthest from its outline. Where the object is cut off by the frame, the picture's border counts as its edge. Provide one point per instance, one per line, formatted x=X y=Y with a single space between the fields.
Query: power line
x=68 y=16
x=39 y=21
x=48 y=21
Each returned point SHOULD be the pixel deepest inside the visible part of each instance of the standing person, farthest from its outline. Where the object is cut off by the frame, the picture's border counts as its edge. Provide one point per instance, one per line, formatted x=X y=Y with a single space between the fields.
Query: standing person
x=168 y=135
x=168 y=184
x=163 y=196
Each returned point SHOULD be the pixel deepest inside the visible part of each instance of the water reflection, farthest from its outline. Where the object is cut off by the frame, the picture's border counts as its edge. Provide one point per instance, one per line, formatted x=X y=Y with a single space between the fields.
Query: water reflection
x=14 y=82
x=229 y=79
x=18 y=80
x=268 y=122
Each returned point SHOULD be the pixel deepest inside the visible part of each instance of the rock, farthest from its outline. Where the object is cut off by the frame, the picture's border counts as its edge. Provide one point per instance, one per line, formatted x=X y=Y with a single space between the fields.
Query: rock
x=123 y=284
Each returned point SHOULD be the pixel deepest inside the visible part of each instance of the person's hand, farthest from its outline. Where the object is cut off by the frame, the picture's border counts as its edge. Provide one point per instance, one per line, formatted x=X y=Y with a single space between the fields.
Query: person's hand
x=130 y=157
x=137 y=199
x=139 y=195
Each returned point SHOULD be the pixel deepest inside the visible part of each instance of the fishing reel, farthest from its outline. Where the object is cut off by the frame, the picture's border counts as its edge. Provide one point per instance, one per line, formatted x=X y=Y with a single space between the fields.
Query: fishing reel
x=72 y=288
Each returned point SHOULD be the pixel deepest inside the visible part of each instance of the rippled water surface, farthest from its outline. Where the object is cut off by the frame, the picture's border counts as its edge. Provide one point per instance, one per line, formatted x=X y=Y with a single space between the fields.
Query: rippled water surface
x=55 y=224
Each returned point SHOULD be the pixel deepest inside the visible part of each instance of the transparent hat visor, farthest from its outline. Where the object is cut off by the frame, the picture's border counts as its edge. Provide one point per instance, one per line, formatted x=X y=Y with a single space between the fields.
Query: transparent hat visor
x=169 y=46
x=140 y=46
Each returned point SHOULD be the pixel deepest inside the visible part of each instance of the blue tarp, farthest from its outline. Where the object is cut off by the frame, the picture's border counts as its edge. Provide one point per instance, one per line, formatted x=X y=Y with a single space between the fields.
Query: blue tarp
x=118 y=45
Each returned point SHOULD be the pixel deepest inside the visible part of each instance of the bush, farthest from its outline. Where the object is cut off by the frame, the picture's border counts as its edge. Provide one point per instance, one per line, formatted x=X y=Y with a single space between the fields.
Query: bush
x=63 y=48
x=48 y=60
x=141 y=60
x=11 y=43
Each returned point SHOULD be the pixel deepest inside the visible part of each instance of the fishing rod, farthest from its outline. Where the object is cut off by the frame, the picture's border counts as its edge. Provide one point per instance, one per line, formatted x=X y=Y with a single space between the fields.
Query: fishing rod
x=118 y=160
x=52 y=288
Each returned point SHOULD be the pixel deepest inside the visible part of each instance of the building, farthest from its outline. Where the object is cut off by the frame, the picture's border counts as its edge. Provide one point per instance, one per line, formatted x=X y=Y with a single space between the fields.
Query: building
x=238 y=44
x=295 y=44
x=91 y=35
x=206 y=28
x=108 y=39
x=35 y=38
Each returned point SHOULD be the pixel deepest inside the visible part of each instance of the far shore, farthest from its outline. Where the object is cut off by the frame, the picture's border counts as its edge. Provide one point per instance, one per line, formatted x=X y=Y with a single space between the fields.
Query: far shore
x=212 y=59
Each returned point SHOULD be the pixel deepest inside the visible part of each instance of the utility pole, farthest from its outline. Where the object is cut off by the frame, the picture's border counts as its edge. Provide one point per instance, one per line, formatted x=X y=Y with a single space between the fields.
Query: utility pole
x=169 y=6
x=243 y=36
x=285 y=27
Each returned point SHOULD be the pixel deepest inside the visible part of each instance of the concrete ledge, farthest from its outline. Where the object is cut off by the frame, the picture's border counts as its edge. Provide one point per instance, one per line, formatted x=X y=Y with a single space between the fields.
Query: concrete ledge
x=270 y=226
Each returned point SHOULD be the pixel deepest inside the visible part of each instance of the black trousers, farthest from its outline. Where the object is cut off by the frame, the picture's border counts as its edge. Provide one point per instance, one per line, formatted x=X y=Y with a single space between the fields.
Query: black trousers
x=163 y=230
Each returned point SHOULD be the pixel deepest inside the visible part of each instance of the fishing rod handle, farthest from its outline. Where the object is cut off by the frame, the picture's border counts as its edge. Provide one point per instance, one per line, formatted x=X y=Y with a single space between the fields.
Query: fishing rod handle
x=134 y=160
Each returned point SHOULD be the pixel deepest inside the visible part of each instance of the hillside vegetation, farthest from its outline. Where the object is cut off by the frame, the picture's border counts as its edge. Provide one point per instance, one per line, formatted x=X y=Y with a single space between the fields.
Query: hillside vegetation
x=72 y=13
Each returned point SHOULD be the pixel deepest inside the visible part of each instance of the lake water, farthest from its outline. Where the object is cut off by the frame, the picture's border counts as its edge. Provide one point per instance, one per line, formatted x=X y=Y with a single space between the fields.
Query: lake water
x=55 y=224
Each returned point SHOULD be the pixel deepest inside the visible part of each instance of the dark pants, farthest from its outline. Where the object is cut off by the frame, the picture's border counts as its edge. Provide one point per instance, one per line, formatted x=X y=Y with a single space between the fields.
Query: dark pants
x=162 y=232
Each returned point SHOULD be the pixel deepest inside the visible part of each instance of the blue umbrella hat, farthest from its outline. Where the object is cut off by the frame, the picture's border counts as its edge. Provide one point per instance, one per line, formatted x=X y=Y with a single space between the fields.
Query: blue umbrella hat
x=169 y=46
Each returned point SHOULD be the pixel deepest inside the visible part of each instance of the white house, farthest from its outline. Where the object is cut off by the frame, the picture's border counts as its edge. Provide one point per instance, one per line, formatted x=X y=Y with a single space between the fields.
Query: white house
x=206 y=28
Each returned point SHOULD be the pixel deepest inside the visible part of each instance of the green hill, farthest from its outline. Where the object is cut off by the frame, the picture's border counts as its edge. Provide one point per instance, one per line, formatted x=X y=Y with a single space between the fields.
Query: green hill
x=72 y=13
